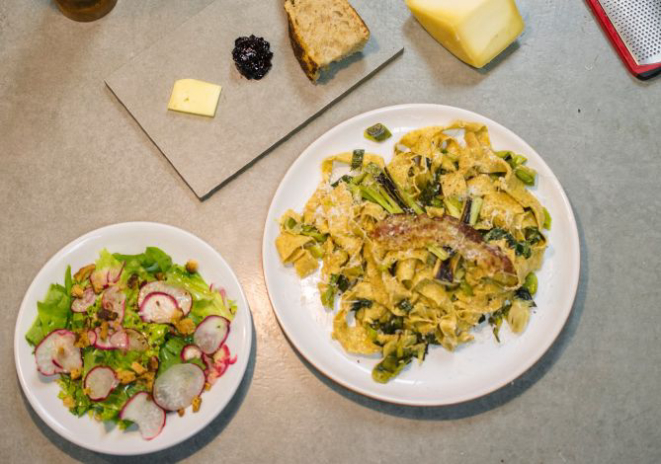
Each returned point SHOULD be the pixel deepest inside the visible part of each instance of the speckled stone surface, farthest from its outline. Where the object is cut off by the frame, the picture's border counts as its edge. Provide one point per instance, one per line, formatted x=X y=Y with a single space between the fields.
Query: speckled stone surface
x=72 y=159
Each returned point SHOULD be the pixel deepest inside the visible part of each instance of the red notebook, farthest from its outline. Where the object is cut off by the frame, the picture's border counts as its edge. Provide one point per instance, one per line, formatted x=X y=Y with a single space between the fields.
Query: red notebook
x=634 y=28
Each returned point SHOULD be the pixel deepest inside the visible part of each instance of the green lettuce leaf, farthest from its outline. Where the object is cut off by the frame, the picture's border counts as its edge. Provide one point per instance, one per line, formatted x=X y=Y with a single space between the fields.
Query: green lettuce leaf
x=207 y=302
x=74 y=389
x=53 y=312
x=107 y=260
x=170 y=354
x=116 y=359
x=153 y=260
x=109 y=409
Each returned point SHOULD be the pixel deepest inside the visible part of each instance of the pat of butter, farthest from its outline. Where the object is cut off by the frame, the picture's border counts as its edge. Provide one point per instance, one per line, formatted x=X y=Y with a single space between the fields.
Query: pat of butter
x=194 y=97
x=476 y=31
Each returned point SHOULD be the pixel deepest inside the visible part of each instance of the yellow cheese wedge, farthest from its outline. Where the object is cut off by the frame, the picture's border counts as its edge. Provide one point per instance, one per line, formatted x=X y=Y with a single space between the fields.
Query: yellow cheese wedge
x=194 y=97
x=476 y=31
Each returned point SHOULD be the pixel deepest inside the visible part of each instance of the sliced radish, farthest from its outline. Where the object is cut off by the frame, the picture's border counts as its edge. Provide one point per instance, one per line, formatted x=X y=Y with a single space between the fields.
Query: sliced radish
x=223 y=356
x=56 y=353
x=119 y=340
x=191 y=352
x=211 y=333
x=158 y=307
x=142 y=410
x=91 y=336
x=100 y=382
x=114 y=300
x=103 y=343
x=218 y=364
x=137 y=341
x=99 y=279
x=80 y=305
x=183 y=299
x=115 y=273
x=177 y=387
x=68 y=356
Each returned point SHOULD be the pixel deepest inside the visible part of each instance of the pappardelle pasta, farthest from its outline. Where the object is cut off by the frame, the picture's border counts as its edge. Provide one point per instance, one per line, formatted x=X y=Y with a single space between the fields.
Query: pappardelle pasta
x=422 y=250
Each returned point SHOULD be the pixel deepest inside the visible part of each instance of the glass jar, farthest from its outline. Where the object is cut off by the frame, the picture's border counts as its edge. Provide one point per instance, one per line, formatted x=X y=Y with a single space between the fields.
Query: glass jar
x=85 y=10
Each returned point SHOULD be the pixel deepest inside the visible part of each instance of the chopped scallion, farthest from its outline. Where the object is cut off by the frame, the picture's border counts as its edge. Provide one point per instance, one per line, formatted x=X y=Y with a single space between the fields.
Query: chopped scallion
x=547 y=219
x=525 y=174
x=357 y=159
x=378 y=132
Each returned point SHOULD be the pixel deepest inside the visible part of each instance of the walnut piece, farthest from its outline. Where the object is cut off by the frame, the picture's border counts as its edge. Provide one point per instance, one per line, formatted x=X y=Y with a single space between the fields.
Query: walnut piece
x=77 y=291
x=84 y=273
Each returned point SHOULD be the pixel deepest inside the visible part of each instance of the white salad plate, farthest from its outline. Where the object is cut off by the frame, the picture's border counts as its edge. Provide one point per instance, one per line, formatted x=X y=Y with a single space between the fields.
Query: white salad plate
x=474 y=369
x=131 y=238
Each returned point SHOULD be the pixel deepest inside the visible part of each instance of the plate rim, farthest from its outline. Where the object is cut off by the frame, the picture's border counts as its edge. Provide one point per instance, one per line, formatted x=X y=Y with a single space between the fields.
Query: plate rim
x=18 y=337
x=516 y=373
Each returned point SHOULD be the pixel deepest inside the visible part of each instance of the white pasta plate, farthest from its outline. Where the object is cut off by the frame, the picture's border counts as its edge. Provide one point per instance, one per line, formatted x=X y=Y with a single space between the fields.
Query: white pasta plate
x=131 y=238
x=473 y=370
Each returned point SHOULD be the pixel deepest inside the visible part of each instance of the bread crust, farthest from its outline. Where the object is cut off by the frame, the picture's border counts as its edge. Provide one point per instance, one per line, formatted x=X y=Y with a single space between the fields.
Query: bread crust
x=307 y=63
x=311 y=67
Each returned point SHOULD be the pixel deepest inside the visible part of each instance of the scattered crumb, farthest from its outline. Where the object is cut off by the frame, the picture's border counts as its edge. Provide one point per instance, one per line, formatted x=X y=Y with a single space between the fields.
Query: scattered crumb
x=75 y=374
x=177 y=316
x=191 y=266
x=148 y=379
x=69 y=402
x=181 y=412
x=207 y=386
x=197 y=401
x=125 y=376
x=103 y=331
x=82 y=341
x=137 y=367
x=185 y=326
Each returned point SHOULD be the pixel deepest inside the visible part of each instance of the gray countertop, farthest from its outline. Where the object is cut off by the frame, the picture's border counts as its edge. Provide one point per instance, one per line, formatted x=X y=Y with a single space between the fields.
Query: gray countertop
x=72 y=160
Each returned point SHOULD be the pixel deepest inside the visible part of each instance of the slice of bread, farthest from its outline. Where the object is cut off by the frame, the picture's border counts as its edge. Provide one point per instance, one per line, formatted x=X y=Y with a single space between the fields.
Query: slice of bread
x=324 y=31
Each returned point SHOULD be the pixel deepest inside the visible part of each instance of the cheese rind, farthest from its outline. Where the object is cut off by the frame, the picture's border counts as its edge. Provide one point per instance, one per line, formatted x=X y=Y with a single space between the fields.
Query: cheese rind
x=194 y=97
x=475 y=31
